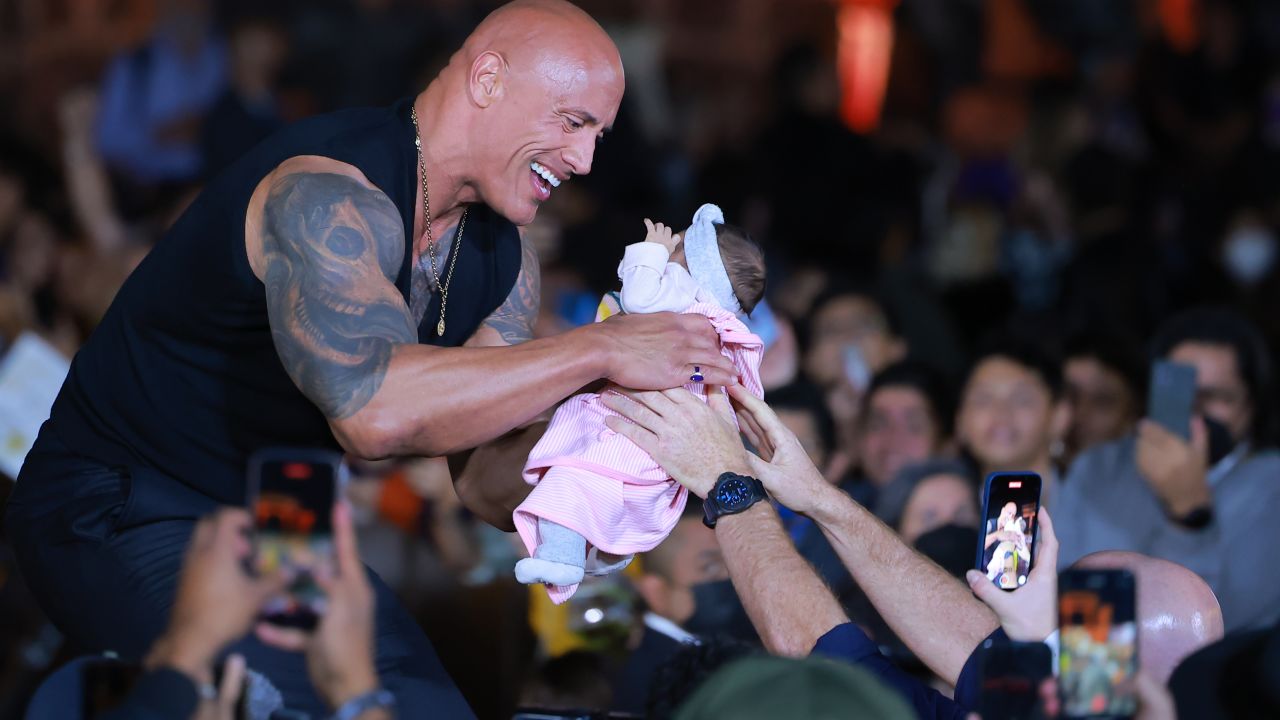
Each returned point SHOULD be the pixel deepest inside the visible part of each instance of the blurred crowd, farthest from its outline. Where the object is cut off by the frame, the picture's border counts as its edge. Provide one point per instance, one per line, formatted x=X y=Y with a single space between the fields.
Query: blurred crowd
x=1057 y=195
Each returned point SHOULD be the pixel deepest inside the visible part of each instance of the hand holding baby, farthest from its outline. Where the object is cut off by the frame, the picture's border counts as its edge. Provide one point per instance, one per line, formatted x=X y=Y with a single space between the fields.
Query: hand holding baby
x=661 y=234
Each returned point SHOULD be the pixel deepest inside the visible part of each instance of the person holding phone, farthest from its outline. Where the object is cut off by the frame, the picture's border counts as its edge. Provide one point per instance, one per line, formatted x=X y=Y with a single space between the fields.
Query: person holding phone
x=218 y=602
x=355 y=282
x=1202 y=492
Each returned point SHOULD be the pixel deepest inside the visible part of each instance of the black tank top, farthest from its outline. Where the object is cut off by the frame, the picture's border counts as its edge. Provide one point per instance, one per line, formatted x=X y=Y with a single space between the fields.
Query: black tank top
x=181 y=376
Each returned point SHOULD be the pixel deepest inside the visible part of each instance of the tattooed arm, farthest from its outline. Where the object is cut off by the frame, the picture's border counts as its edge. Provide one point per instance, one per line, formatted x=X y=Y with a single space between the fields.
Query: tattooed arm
x=328 y=244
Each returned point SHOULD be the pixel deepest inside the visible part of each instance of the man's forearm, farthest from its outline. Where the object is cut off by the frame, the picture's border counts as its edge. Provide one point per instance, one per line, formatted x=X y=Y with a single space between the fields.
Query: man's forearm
x=932 y=612
x=787 y=602
x=488 y=479
x=440 y=401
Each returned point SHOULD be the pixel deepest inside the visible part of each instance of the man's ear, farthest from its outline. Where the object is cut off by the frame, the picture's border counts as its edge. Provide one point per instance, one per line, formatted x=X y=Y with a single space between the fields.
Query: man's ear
x=653 y=590
x=487 y=83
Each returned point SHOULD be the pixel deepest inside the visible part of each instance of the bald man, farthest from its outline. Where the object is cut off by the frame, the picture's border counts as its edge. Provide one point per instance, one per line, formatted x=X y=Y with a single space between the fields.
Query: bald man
x=356 y=282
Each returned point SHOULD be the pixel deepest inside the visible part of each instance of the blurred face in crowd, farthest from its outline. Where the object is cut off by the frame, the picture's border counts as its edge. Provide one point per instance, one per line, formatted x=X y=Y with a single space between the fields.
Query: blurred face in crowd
x=1008 y=416
x=899 y=430
x=1221 y=393
x=938 y=500
x=689 y=556
x=805 y=427
x=1103 y=406
x=548 y=84
x=850 y=320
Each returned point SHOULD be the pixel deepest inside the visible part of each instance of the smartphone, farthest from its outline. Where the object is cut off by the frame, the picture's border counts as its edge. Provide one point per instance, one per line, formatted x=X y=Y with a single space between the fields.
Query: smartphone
x=1006 y=544
x=856 y=370
x=105 y=683
x=1098 y=636
x=1012 y=675
x=1172 y=396
x=291 y=496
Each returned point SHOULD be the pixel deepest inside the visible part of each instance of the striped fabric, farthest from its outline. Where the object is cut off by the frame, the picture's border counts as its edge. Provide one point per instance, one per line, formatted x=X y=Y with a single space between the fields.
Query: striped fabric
x=600 y=484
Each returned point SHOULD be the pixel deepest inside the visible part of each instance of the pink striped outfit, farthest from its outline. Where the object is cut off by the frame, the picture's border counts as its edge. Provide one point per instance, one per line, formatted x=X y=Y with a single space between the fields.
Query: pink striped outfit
x=603 y=486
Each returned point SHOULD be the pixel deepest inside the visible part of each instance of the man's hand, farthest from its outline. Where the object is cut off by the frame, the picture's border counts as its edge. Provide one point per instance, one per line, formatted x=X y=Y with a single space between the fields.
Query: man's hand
x=784 y=468
x=217 y=601
x=661 y=350
x=1030 y=613
x=1175 y=469
x=661 y=234
x=694 y=441
x=340 y=651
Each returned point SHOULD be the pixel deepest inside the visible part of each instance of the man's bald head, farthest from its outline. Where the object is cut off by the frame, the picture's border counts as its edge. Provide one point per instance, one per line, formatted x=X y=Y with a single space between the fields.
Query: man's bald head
x=1177 y=612
x=530 y=93
x=531 y=28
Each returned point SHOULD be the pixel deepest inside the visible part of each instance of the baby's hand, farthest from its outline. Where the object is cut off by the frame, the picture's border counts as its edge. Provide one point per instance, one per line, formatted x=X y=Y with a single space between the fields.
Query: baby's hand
x=661 y=234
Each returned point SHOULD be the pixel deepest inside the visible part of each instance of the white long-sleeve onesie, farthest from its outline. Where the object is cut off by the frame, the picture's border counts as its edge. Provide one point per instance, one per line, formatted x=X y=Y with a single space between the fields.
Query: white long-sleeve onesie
x=651 y=283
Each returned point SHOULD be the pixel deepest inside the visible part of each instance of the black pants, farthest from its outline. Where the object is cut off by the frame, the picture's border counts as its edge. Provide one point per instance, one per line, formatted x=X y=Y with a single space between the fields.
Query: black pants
x=101 y=549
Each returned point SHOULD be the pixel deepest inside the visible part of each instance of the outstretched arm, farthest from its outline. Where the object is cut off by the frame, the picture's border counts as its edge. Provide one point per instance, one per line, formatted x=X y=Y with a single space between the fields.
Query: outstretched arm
x=328 y=245
x=933 y=612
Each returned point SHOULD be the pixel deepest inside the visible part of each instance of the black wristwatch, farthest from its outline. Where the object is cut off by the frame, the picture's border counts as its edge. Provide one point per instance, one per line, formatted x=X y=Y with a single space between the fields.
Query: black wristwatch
x=731 y=494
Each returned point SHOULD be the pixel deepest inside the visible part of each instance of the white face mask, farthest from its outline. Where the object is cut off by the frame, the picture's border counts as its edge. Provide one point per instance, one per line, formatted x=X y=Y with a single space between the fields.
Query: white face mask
x=1249 y=254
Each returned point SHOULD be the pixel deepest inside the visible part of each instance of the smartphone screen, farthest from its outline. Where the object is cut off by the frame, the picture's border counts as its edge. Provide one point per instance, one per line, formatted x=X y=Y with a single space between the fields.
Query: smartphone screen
x=1012 y=676
x=1172 y=396
x=1098 y=655
x=1006 y=545
x=292 y=509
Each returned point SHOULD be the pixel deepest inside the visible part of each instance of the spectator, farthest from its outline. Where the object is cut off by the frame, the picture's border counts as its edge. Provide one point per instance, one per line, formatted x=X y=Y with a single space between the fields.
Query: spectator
x=1104 y=381
x=794 y=611
x=688 y=596
x=906 y=419
x=1012 y=412
x=1208 y=503
x=849 y=340
x=153 y=98
x=928 y=496
x=248 y=110
x=217 y=603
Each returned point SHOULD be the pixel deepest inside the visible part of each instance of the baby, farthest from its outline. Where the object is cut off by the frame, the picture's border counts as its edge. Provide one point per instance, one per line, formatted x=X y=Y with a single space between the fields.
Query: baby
x=598 y=498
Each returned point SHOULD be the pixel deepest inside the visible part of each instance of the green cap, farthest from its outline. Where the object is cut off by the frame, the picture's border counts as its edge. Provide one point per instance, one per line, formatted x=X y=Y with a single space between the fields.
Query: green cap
x=768 y=688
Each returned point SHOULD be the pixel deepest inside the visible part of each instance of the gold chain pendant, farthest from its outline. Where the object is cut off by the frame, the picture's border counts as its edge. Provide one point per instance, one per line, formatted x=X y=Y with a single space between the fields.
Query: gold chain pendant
x=440 y=326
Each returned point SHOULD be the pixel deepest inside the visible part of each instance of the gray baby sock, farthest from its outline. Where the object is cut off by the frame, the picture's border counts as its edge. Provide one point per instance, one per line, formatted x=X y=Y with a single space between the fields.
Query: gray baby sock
x=560 y=544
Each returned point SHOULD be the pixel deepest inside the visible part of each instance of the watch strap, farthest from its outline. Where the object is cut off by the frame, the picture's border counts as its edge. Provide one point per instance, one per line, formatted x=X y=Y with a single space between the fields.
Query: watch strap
x=356 y=706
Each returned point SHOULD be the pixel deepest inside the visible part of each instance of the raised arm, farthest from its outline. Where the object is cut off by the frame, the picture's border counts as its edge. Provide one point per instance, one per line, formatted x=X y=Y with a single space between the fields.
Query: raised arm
x=933 y=612
x=328 y=244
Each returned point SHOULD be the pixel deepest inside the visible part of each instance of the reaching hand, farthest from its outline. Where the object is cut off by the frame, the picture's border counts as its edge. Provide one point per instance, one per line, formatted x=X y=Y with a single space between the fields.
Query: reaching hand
x=217 y=601
x=1029 y=613
x=1175 y=469
x=783 y=465
x=340 y=650
x=661 y=234
x=694 y=441
x=660 y=351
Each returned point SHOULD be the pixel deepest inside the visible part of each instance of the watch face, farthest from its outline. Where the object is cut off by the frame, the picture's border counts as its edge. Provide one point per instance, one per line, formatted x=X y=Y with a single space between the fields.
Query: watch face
x=734 y=494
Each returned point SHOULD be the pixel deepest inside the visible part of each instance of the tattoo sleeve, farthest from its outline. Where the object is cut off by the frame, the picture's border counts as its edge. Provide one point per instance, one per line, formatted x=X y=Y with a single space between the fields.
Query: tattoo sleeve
x=515 y=318
x=333 y=247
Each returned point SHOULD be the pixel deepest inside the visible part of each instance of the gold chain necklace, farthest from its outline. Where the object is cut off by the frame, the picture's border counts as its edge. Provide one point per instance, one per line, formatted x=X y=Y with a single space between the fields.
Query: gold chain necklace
x=431 y=242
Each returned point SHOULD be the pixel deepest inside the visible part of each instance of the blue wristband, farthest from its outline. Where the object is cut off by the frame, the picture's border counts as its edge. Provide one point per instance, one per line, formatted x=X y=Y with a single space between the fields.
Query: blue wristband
x=356 y=706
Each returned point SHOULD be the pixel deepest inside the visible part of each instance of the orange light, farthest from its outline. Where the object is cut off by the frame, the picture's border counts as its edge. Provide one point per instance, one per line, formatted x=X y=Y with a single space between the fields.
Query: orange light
x=863 y=58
